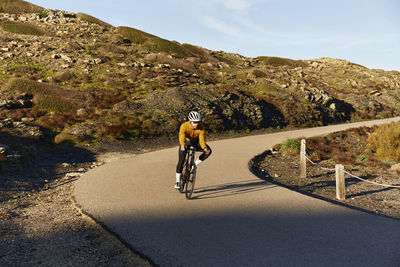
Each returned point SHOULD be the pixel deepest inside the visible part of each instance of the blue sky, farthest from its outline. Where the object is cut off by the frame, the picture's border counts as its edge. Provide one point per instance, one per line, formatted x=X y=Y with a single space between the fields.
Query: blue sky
x=365 y=32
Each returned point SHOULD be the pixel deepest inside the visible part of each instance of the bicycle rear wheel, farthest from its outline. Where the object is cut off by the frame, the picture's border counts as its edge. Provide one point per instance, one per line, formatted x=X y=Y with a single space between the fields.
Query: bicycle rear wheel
x=190 y=184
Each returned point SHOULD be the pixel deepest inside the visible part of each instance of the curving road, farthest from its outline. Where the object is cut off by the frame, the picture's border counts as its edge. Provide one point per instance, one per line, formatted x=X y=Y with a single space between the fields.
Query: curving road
x=235 y=219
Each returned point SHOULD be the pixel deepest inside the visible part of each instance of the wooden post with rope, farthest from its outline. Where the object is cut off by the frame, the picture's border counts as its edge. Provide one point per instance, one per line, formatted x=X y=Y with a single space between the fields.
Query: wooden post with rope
x=303 y=163
x=340 y=183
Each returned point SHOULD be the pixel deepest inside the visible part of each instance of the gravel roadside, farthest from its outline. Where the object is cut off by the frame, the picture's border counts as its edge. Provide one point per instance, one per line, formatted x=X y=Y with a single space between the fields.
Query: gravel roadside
x=283 y=169
x=47 y=229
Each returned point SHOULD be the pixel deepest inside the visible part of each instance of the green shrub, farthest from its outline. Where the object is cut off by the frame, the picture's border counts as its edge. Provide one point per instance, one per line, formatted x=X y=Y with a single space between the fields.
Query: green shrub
x=134 y=35
x=22 y=28
x=385 y=142
x=64 y=138
x=362 y=158
x=279 y=61
x=291 y=145
x=90 y=19
x=42 y=14
x=53 y=103
x=49 y=97
x=161 y=45
x=24 y=69
x=153 y=42
x=259 y=73
x=26 y=86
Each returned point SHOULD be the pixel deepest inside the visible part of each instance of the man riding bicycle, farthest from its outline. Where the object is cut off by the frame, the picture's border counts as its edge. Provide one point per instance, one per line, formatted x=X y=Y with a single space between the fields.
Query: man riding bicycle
x=191 y=133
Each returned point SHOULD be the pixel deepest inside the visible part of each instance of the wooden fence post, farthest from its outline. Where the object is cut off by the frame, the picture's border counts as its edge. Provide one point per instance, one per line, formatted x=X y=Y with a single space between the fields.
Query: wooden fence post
x=303 y=163
x=340 y=183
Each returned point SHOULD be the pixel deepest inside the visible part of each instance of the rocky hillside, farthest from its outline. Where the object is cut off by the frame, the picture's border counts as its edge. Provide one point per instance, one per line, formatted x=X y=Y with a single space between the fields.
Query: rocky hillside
x=67 y=76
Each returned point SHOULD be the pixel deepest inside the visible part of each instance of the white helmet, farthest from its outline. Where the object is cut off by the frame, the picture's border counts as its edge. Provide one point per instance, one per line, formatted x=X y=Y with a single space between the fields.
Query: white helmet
x=194 y=116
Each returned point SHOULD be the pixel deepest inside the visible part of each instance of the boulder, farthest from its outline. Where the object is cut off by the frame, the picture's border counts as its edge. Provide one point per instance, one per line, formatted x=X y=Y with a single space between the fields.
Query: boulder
x=82 y=112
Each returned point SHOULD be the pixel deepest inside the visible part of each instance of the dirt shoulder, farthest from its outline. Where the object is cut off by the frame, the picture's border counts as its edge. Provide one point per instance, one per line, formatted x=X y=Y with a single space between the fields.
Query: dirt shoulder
x=45 y=228
x=283 y=169
x=40 y=225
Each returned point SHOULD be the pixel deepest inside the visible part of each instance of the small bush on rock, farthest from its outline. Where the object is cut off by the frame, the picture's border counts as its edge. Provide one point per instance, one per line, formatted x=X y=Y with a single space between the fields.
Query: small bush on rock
x=291 y=145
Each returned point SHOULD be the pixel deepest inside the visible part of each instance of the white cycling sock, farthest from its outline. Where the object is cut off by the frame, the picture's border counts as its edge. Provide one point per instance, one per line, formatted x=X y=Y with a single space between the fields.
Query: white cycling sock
x=197 y=162
x=178 y=177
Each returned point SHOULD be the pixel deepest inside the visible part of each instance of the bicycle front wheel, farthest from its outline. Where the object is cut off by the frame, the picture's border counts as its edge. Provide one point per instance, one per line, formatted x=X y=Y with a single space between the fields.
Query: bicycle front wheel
x=190 y=184
x=183 y=180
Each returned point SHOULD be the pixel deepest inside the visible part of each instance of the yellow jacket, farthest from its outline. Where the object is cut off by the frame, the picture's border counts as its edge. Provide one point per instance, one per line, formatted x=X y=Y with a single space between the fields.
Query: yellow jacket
x=186 y=133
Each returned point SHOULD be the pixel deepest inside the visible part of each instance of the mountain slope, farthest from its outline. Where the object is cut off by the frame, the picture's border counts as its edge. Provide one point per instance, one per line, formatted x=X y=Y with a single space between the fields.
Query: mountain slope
x=18 y=6
x=89 y=81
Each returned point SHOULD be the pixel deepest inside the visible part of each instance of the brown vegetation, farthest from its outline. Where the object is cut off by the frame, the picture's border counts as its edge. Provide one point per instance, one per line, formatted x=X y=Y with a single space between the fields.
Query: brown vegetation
x=385 y=142
x=18 y=6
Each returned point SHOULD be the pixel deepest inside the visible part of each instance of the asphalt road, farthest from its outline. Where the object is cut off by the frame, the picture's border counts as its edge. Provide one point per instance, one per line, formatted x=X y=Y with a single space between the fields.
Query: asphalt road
x=235 y=218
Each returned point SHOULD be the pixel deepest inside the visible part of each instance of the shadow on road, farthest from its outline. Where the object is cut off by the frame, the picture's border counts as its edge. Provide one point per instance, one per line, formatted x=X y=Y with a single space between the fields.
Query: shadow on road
x=260 y=236
x=230 y=189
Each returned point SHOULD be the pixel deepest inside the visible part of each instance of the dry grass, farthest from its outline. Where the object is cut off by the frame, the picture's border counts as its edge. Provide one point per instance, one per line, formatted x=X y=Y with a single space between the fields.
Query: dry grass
x=103 y=98
x=385 y=141
x=200 y=53
x=90 y=19
x=134 y=35
x=57 y=121
x=350 y=147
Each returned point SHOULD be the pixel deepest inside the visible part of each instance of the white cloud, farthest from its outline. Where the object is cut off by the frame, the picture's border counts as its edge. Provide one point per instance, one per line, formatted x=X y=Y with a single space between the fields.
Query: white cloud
x=223 y=27
x=234 y=4
x=231 y=23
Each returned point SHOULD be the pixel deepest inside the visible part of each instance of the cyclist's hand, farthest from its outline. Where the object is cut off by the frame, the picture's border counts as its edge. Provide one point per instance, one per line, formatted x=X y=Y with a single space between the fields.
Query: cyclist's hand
x=207 y=151
x=182 y=147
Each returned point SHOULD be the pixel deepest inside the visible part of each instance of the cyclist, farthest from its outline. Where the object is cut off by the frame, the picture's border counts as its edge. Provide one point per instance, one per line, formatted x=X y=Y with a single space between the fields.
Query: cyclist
x=191 y=133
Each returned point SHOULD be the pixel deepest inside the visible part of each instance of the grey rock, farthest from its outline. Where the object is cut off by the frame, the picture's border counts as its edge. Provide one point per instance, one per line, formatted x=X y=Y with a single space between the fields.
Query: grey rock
x=82 y=112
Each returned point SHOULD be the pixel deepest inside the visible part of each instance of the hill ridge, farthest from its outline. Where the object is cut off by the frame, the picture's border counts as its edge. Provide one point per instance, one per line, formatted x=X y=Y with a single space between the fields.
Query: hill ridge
x=122 y=72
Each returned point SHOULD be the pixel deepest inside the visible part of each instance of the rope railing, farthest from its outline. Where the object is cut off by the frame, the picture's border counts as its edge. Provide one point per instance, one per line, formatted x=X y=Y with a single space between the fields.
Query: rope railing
x=316 y=164
x=371 y=182
x=339 y=173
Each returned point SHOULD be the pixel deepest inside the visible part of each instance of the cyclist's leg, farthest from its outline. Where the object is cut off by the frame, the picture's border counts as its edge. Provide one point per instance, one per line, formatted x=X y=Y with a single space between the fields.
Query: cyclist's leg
x=204 y=155
x=179 y=166
x=181 y=155
x=181 y=161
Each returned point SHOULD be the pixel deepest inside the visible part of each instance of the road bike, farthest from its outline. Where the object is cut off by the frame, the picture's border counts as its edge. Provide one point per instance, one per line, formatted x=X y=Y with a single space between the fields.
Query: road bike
x=188 y=177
